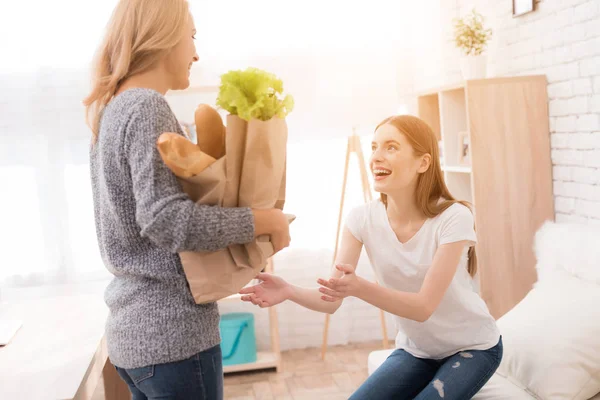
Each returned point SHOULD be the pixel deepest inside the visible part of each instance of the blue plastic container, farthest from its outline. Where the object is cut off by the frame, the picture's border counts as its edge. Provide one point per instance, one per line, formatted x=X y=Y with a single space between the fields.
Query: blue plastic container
x=238 y=339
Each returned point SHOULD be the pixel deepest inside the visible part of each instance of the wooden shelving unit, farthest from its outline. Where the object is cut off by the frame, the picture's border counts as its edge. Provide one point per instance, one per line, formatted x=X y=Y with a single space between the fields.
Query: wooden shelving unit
x=445 y=111
x=265 y=359
x=507 y=176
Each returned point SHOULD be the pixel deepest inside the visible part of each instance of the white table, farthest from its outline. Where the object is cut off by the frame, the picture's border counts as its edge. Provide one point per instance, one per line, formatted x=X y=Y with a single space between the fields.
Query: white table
x=60 y=351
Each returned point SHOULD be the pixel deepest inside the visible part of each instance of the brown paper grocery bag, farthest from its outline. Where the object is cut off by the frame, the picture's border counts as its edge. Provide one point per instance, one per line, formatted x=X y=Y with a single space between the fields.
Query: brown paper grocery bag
x=251 y=174
x=262 y=179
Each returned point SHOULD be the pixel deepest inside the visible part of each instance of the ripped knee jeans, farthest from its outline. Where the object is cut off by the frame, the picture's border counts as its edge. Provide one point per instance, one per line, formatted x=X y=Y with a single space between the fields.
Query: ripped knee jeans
x=403 y=376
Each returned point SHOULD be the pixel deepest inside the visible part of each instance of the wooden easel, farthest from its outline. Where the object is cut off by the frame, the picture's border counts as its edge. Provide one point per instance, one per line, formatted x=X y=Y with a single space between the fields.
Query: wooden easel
x=354 y=146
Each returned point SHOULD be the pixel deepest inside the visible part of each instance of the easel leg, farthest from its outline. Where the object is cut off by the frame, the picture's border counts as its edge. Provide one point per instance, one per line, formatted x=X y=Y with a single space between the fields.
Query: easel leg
x=368 y=197
x=325 y=332
x=364 y=177
x=337 y=239
x=274 y=324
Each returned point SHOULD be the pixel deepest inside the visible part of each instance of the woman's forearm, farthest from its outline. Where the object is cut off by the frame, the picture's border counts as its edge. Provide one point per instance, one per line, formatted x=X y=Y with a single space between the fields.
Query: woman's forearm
x=311 y=299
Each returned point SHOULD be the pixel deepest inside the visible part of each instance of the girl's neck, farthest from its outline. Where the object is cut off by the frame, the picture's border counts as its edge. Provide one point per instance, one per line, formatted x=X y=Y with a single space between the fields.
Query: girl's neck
x=403 y=209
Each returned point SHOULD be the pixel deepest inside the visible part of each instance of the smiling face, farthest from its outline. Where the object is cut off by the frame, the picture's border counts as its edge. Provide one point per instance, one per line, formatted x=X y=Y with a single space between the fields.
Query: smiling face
x=178 y=62
x=393 y=162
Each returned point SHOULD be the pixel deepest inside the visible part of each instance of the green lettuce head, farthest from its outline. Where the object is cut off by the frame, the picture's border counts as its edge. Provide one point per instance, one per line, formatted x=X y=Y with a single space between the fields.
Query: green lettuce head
x=253 y=94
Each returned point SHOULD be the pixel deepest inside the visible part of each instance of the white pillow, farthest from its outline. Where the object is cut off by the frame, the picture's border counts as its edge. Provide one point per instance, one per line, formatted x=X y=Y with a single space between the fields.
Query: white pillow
x=552 y=337
x=574 y=248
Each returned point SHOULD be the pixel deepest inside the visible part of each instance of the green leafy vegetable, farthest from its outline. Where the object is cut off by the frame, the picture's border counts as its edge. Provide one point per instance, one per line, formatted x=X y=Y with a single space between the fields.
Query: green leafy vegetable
x=253 y=94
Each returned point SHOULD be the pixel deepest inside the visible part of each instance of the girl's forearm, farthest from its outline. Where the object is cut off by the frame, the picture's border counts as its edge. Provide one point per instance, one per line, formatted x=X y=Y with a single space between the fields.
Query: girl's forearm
x=311 y=299
x=403 y=304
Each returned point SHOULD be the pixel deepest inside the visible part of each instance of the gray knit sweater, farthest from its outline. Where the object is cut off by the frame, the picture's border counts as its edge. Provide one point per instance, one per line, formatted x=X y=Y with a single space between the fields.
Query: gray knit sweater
x=142 y=220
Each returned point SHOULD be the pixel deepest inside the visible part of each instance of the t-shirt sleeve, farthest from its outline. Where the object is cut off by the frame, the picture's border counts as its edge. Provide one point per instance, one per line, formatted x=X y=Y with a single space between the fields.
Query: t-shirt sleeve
x=355 y=222
x=457 y=225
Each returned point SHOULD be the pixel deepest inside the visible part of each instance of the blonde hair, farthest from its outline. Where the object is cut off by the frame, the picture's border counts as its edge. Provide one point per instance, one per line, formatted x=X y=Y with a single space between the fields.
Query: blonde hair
x=139 y=34
x=431 y=187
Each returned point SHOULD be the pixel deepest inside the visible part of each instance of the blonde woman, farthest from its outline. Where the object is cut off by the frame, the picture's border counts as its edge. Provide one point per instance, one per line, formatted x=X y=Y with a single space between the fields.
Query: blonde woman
x=420 y=242
x=162 y=343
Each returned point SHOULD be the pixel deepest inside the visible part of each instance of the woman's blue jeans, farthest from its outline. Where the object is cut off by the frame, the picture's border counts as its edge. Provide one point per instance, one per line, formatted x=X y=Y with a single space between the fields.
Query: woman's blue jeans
x=199 y=377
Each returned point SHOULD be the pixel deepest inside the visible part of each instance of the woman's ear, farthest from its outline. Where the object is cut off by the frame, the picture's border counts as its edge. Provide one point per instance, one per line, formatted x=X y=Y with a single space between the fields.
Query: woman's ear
x=425 y=163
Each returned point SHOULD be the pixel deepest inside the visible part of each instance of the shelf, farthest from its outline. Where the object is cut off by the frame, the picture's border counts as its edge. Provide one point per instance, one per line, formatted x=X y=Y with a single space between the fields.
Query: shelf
x=441 y=89
x=460 y=185
x=265 y=360
x=457 y=168
x=509 y=115
x=429 y=111
x=453 y=117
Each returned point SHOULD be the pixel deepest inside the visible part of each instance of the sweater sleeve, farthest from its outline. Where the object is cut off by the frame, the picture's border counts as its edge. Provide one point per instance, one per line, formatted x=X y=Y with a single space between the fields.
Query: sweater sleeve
x=165 y=214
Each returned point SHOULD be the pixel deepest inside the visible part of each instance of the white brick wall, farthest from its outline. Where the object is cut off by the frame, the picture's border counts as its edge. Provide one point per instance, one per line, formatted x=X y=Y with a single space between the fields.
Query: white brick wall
x=560 y=39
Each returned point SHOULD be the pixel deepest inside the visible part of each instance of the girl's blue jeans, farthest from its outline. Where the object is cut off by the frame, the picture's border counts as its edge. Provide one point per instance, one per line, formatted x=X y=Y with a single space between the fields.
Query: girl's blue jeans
x=403 y=376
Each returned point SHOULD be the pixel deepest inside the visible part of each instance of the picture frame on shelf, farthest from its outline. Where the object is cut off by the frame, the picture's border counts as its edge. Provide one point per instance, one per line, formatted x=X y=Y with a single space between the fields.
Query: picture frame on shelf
x=520 y=7
x=464 y=150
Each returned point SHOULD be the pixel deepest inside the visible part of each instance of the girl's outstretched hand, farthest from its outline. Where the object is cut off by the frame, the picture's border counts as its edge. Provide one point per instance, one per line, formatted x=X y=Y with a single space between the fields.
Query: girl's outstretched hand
x=271 y=291
x=336 y=289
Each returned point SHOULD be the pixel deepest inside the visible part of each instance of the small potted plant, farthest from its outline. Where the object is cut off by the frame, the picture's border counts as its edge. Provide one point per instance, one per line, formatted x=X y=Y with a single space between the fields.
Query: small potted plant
x=471 y=37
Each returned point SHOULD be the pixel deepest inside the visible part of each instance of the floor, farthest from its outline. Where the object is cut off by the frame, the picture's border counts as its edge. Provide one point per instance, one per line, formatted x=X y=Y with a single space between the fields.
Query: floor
x=303 y=376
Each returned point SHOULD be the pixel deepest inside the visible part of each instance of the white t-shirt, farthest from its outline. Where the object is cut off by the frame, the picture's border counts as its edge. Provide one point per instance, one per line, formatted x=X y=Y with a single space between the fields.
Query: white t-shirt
x=462 y=320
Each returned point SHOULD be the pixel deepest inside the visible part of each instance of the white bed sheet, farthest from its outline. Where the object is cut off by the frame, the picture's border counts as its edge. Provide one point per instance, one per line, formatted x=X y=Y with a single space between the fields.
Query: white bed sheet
x=500 y=388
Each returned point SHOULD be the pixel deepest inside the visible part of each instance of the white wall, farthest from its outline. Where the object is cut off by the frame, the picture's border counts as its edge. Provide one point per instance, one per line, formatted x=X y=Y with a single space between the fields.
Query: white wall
x=560 y=39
